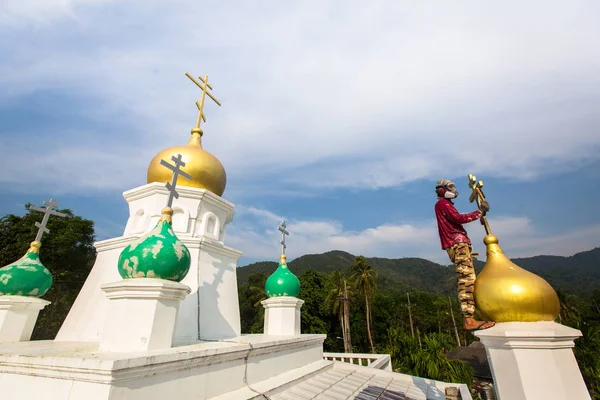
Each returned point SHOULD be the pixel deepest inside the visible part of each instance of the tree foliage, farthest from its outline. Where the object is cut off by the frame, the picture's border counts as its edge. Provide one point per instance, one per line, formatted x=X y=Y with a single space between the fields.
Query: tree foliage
x=427 y=357
x=338 y=301
x=425 y=353
x=576 y=274
x=67 y=251
x=364 y=278
x=250 y=295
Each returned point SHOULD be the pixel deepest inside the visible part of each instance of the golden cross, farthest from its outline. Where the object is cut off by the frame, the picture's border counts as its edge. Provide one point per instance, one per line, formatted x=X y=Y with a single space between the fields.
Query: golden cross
x=477 y=195
x=205 y=86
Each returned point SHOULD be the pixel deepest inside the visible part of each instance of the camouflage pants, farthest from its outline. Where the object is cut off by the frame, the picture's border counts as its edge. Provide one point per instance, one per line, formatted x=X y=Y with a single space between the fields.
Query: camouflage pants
x=460 y=255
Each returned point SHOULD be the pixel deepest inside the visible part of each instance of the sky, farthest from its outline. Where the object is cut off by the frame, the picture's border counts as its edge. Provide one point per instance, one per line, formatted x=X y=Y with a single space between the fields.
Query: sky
x=337 y=116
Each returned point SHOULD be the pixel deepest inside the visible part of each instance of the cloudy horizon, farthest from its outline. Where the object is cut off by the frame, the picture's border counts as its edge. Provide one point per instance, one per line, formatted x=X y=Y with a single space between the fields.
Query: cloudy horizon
x=338 y=116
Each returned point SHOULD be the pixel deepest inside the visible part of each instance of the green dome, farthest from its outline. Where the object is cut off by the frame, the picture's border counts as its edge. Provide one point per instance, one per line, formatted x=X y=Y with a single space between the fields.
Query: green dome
x=282 y=282
x=27 y=276
x=158 y=254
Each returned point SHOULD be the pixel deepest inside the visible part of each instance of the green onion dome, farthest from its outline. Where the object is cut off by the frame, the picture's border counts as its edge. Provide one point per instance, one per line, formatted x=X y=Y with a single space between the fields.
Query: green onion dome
x=158 y=254
x=27 y=276
x=282 y=282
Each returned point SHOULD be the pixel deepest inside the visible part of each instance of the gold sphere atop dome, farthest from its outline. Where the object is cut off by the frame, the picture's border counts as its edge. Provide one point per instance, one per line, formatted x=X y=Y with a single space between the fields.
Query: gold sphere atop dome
x=206 y=170
x=505 y=292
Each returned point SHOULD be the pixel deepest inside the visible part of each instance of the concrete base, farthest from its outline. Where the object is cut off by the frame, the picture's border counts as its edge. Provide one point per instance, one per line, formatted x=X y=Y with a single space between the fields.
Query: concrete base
x=18 y=315
x=534 y=360
x=282 y=316
x=77 y=371
x=141 y=314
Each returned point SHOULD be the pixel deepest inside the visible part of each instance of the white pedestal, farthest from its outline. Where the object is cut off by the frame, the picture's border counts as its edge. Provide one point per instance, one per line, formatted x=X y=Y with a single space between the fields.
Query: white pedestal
x=534 y=360
x=141 y=314
x=18 y=315
x=282 y=316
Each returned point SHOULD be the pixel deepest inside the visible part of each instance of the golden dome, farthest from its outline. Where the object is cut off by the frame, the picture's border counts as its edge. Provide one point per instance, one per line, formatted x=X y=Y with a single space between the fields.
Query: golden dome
x=206 y=170
x=505 y=292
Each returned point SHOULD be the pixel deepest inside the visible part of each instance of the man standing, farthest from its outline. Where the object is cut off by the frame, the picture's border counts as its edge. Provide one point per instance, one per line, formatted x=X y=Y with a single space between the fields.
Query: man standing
x=455 y=241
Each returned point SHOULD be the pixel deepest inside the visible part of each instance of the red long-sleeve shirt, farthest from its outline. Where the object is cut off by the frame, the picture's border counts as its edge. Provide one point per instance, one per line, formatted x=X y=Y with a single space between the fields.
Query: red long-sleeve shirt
x=450 y=223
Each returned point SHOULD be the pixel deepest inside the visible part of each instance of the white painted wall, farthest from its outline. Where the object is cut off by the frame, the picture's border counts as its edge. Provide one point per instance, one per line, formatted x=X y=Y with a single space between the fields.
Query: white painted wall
x=86 y=319
x=282 y=315
x=142 y=314
x=18 y=315
x=534 y=360
x=211 y=311
x=67 y=371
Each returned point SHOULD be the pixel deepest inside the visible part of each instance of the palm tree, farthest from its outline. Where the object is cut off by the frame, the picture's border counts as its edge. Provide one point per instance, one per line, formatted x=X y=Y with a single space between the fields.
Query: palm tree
x=338 y=299
x=569 y=312
x=256 y=291
x=364 y=277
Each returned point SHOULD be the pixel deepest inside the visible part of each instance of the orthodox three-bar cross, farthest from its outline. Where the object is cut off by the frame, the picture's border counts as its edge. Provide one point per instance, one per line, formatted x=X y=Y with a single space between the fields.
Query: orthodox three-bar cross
x=171 y=186
x=48 y=211
x=205 y=87
x=283 y=233
x=478 y=196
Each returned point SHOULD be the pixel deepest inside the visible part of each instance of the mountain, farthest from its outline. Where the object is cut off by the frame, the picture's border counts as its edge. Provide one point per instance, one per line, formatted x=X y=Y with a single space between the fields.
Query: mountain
x=579 y=273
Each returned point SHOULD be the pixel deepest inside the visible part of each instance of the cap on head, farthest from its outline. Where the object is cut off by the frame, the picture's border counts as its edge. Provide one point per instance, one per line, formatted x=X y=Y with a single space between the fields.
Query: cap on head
x=442 y=183
x=446 y=188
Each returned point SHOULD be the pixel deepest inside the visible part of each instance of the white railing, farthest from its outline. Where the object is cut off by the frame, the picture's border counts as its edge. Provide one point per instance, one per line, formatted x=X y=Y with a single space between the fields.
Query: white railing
x=377 y=361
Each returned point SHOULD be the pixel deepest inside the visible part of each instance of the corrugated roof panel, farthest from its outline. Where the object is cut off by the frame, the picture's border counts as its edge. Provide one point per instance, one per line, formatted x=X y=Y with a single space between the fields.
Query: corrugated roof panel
x=359 y=383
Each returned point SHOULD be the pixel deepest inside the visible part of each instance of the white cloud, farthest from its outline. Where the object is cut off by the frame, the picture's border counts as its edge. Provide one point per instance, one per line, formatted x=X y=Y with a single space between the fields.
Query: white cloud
x=258 y=238
x=39 y=12
x=355 y=94
x=77 y=167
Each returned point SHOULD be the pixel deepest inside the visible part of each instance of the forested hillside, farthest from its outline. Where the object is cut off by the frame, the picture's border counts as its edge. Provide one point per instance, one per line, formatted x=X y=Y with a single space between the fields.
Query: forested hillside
x=414 y=314
x=579 y=273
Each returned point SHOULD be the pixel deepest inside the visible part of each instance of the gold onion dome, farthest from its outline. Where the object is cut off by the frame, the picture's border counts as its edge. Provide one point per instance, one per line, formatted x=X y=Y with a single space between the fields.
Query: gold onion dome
x=505 y=292
x=206 y=170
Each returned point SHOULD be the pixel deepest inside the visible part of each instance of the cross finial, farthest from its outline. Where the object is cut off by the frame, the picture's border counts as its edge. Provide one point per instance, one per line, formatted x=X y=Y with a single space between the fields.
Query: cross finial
x=48 y=211
x=478 y=196
x=284 y=232
x=205 y=87
x=171 y=186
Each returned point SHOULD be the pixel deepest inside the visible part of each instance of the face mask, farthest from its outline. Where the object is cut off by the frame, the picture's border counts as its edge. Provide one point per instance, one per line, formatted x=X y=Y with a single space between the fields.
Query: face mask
x=451 y=192
x=450 y=195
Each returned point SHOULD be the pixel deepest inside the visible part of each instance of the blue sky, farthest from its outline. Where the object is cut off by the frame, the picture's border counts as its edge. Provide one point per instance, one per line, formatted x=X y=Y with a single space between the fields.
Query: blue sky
x=338 y=116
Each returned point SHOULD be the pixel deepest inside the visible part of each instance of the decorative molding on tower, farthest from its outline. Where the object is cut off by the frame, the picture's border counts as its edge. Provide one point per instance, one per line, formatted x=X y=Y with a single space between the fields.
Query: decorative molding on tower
x=212 y=245
x=192 y=211
x=114 y=243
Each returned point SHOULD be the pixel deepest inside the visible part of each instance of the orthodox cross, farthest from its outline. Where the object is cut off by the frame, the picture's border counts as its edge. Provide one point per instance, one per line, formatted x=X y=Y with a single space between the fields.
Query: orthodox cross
x=171 y=186
x=205 y=86
x=283 y=233
x=48 y=211
x=478 y=196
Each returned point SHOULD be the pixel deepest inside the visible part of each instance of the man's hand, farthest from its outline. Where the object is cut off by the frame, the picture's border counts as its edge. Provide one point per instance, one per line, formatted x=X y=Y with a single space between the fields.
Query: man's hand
x=484 y=206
